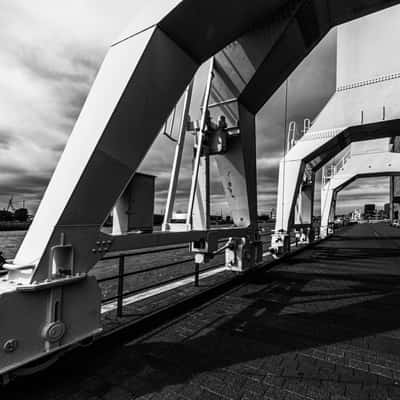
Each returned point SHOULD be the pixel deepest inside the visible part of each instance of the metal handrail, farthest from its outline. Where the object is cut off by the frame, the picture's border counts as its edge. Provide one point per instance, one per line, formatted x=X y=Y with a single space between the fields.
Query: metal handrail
x=157 y=285
x=110 y=278
x=329 y=173
x=145 y=252
x=122 y=274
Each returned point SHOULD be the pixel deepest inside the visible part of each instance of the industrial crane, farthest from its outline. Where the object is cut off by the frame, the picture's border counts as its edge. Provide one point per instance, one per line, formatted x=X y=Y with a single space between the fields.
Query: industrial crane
x=48 y=301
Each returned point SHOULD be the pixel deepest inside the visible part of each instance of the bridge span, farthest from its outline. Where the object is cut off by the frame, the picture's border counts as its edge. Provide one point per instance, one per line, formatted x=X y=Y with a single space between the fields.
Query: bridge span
x=320 y=325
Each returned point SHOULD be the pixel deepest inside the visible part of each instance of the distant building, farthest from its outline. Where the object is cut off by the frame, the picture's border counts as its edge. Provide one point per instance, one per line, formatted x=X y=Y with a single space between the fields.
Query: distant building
x=386 y=209
x=369 y=210
x=381 y=214
x=355 y=215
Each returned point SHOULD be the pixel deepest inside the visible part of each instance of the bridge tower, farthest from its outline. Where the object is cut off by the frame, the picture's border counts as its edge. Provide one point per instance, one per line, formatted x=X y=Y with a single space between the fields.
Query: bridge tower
x=365 y=107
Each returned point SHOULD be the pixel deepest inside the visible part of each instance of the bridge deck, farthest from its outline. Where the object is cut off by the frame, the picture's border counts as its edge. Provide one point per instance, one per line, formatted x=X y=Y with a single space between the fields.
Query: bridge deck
x=323 y=325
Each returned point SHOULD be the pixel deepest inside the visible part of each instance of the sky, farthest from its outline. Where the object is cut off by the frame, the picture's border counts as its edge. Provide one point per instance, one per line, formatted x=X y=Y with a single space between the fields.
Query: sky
x=50 y=54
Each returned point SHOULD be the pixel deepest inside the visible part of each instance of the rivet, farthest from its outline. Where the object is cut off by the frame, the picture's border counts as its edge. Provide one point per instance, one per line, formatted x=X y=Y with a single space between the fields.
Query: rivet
x=94 y=250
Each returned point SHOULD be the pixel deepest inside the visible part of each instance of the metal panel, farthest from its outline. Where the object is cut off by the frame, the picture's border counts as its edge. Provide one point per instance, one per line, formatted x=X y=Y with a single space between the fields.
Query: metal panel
x=372 y=43
x=141 y=207
x=134 y=210
x=220 y=23
x=150 y=13
x=232 y=173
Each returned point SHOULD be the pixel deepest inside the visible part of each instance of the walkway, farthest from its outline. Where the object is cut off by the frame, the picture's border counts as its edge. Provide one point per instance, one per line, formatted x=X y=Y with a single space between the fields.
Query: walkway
x=324 y=325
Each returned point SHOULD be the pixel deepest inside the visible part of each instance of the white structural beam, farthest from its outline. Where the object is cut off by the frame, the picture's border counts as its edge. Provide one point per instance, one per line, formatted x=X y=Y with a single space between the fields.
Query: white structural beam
x=201 y=196
x=173 y=185
x=304 y=211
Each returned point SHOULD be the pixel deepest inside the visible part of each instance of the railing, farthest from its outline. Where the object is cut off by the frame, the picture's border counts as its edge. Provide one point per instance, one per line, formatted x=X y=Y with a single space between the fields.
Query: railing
x=122 y=274
x=120 y=277
x=329 y=172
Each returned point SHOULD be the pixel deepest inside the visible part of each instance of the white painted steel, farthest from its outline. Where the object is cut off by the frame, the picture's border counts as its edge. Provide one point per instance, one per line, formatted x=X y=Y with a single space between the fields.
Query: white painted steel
x=143 y=76
x=148 y=15
x=112 y=80
x=368 y=79
x=177 y=159
x=198 y=146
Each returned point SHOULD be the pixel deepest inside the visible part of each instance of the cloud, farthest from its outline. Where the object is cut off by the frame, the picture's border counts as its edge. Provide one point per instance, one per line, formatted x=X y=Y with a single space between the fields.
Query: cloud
x=50 y=54
x=309 y=88
x=364 y=191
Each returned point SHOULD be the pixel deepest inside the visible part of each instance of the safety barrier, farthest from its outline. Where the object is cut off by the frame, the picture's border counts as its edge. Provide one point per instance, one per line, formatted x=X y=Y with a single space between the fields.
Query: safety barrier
x=121 y=293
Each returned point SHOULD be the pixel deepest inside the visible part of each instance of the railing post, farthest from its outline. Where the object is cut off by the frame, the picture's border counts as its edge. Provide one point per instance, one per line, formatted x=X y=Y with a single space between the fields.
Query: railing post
x=196 y=274
x=121 y=272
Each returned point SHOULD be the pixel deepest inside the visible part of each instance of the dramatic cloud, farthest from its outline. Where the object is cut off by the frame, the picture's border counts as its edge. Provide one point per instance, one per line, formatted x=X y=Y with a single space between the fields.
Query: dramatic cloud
x=50 y=54
x=49 y=57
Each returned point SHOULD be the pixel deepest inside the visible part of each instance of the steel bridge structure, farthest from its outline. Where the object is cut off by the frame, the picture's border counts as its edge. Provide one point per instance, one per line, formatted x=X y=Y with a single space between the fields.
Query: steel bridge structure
x=250 y=49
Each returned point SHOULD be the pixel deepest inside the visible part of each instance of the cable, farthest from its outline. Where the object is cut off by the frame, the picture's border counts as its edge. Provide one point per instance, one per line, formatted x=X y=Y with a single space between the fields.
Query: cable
x=284 y=148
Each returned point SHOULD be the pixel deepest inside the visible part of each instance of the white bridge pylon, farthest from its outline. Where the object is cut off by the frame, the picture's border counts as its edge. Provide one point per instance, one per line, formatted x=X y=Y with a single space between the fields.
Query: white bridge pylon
x=357 y=166
x=365 y=106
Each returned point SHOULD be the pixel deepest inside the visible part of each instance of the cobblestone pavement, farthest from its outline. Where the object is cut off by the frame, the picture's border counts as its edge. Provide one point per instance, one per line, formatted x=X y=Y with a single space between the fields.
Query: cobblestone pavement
x=323 y=325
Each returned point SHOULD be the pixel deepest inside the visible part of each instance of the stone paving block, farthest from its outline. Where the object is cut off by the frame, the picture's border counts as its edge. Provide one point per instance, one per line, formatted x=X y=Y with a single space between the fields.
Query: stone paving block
x=207 y=395
x=118 y=393
x=360 y=365
x=380 y=370
x=253 y=387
